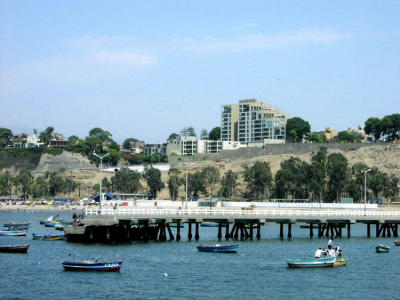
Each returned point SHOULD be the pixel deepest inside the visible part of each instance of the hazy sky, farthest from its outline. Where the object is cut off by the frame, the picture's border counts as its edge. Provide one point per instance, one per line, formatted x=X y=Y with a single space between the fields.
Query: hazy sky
x=145 y=69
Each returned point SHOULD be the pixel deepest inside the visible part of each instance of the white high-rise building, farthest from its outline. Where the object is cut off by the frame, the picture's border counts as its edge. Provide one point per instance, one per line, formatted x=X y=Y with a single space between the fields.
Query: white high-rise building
x=253 y=122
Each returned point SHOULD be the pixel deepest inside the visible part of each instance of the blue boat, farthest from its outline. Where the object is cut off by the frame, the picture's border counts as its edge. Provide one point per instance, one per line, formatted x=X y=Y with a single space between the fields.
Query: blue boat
x=231 y=248
x=90 y=265
x=48 y=237
x=17 y=226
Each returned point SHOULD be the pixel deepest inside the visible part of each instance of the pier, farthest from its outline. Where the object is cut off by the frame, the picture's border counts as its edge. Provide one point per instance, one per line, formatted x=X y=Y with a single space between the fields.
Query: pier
x=144 y=224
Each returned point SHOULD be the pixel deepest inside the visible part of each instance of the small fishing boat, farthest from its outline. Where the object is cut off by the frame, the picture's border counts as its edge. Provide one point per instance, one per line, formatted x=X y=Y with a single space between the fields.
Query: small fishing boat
x=324 y=262
x=397 y=243
x=15 y=226
x=231 y=248
x=15 y=249
x=340 y=262
x=11 y=232
x=382 y=248
x=48 y=237
x=89 y=265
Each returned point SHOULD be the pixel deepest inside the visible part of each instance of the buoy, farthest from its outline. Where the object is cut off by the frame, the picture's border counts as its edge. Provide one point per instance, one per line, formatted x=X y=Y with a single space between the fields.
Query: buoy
x=165 y=275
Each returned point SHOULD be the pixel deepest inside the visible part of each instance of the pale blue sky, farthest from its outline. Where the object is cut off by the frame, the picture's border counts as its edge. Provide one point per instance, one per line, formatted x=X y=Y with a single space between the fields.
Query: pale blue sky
x=145 y=69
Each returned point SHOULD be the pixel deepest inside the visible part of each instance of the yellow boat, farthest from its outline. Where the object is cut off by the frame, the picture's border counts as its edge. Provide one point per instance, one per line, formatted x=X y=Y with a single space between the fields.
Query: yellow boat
x=340 y=262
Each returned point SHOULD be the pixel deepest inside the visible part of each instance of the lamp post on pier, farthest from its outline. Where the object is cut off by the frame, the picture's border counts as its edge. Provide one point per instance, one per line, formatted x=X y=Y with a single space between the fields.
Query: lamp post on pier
x=101 y=175
x=186 y=185
x=365 y=190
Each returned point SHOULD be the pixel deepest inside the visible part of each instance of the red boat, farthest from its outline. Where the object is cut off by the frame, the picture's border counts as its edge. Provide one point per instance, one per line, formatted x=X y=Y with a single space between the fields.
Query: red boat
x=15 y=249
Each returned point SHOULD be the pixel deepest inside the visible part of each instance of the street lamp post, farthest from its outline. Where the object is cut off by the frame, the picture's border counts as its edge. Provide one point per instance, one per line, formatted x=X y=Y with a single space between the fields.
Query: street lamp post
x=365 y=189
x=101 y=175
x=186 y=186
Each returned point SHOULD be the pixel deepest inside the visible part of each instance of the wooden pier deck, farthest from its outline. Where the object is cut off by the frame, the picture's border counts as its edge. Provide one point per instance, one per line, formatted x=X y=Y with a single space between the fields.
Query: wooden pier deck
x=124 y=224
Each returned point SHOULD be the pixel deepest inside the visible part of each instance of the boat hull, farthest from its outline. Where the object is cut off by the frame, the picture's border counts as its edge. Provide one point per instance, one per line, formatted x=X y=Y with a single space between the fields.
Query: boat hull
x=15 y=249
x=93 y=266
x=13 y=232
x=312 y=263
x=48 y=237
x=340 y=262
x=382 y=249
x=219 y=248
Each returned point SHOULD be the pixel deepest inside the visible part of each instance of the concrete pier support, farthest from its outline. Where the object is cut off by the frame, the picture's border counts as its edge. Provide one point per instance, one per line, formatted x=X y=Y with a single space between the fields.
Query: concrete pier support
x=368 y=230
x=178 y=231
x=319 y=230
x=219 y=231
x=281 y=230
x=348 y=230
x=289 y=230
x=171 y=236
x=258 y=235
x=190 y=231
x=311 y=230
x=251 y=230
x=227 y=235
x=146 y=231
x=197 y=234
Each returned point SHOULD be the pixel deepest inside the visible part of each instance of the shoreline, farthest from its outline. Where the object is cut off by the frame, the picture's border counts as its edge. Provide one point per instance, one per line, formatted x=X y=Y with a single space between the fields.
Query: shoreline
x=41 y=208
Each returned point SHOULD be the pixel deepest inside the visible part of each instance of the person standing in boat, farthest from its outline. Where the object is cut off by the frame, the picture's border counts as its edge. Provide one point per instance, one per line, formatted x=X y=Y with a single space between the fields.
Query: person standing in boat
x=330 y=242
x=318 y=253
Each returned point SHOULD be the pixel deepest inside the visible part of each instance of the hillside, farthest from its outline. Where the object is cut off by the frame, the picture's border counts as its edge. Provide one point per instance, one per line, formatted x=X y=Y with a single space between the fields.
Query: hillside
x=386 y=157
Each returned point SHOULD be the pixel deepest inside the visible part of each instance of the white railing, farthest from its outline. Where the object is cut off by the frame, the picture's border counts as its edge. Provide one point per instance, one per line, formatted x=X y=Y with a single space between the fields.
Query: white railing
x=150 y=212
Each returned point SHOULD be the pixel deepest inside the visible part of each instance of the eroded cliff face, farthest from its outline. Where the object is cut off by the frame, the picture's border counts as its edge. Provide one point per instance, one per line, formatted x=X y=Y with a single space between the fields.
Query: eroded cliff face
x=65 y=161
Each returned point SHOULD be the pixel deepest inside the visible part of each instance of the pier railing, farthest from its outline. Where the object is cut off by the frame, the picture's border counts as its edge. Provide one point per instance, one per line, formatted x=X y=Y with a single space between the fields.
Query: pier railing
x=145 y=212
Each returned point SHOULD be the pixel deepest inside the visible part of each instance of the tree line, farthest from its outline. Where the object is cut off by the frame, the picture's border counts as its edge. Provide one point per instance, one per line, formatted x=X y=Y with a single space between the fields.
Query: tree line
x=327 y=178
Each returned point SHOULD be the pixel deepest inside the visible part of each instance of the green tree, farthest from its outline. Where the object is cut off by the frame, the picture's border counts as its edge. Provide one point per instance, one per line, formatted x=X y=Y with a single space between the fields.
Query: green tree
x=129 y=143
x=69 y=186
x=215 y=134
x=174 y=182
x=24 y=179
x=6 y=182
x=376 y=181
x=196 y=184
x=259 y=180
x=228 y=184
x=46 y=135
x=347 y=137
x=56 y=184
x=103 y=135
x=318 y=171
x=126 y=181
x=6 y=136
x=153 y=180
x=204 y=134
x=297 y=129
x=293 y=178
x=316 y=137
x=391 y=187
x=211 y=177
x=390 y=126
x=39 y=187
x=338 y=175
x=373 y=127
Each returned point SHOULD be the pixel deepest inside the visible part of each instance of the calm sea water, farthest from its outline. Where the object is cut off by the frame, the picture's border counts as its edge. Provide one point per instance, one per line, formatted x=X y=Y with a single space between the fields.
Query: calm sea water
x=259 y=271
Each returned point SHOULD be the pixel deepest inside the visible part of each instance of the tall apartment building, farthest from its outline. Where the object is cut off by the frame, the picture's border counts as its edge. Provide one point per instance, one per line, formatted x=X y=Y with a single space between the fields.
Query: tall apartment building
x=229 y=122
x=251 y=121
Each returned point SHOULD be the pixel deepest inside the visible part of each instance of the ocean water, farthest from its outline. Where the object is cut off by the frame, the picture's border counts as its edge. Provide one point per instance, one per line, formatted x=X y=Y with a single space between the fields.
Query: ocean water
x=258 y=271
